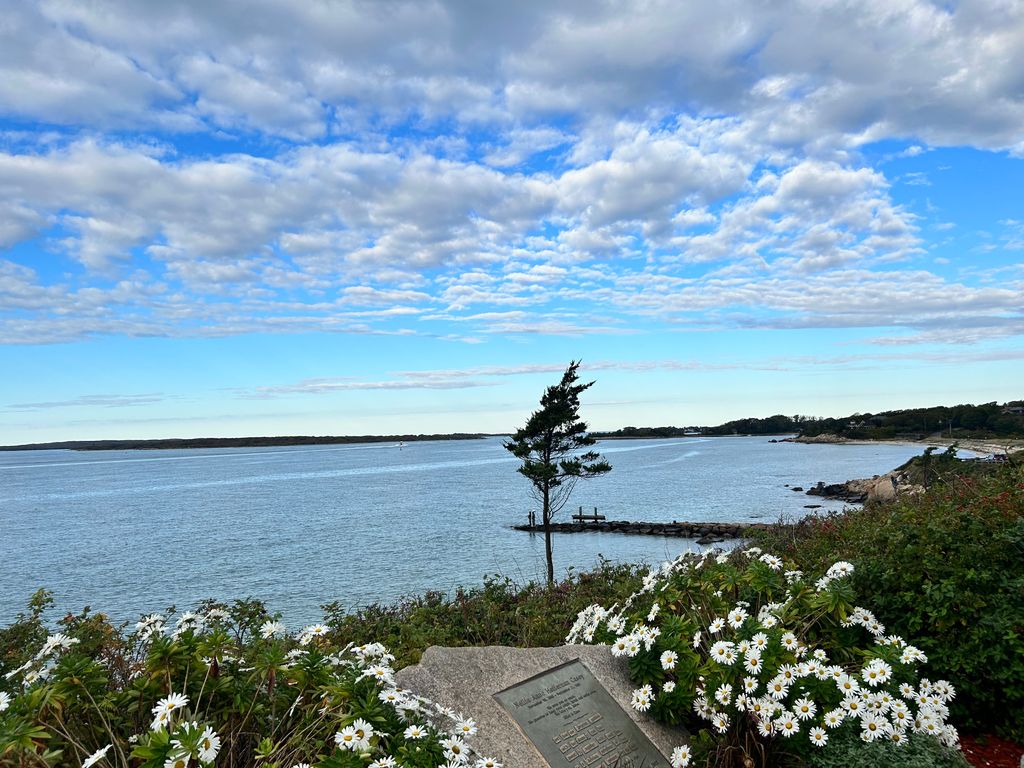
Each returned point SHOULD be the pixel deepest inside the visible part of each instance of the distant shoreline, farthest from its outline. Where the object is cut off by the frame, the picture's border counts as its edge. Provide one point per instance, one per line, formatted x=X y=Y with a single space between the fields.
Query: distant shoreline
x=988 y=445
x=232 y=442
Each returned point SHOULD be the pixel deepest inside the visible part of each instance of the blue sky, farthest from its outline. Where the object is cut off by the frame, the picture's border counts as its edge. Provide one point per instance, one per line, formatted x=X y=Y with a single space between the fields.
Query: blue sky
x=348 y=218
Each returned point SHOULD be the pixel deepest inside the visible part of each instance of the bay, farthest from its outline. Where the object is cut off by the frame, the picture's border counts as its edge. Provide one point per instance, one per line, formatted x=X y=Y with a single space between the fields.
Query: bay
x=131 y=532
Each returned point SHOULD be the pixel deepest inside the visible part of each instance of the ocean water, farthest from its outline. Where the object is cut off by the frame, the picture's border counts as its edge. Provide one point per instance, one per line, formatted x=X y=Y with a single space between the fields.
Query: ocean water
x=130 y=532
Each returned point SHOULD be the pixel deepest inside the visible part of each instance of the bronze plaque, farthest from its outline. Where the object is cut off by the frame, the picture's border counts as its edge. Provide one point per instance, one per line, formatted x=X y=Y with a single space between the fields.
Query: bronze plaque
x=575 y=723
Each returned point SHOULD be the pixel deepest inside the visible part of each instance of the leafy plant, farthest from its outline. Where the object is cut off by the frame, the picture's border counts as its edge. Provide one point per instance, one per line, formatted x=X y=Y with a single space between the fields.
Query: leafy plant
x=945 y=566
x=767 y=662
x=219 y=685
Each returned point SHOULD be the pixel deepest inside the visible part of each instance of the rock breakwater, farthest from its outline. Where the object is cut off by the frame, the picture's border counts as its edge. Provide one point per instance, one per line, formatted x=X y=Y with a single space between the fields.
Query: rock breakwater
x=703 y=532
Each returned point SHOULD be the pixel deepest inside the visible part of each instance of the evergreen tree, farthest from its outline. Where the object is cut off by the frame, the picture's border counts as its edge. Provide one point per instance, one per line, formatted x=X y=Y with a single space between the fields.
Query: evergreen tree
x=549 y=446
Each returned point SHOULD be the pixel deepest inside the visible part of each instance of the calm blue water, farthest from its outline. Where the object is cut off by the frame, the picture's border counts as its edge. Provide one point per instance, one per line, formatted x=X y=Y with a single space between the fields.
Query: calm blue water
x=128 y=532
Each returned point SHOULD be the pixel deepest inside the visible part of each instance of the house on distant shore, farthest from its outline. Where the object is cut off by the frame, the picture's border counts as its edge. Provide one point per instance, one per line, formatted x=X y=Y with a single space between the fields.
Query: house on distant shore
x=1017 y=409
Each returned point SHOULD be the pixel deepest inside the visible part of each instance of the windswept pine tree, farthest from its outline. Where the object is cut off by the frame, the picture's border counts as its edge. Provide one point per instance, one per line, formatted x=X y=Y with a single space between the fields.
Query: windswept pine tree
x=550 y=445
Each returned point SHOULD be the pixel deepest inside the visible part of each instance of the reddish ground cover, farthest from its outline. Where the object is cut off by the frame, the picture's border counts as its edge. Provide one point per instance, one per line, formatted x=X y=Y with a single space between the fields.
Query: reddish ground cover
x=991 y=752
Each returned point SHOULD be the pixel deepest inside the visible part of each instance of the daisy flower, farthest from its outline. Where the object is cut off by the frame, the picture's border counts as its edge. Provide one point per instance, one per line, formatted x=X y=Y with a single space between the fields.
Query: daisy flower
x=873 y=727
x=736 y=617
x=454 y=748
x=466 y=726
x=787 y=724
x=818 y=736
x=209 y=745
x=95 y=757
x=834 y=718
x=346 y=738
x=669 y=659
x=412 y=732
x=5 y=701
x=724 y=694
x=771 y=561
x=777 y=688
x=669 y=686
x=804 y=708
x=271 y=629
x=364 y=732
x=716 y=626
x=642 y=697
x=384 y=762
x=166 y=708
x=487 y=762
x=752 y=661
x=680 y=757
x=721 y=651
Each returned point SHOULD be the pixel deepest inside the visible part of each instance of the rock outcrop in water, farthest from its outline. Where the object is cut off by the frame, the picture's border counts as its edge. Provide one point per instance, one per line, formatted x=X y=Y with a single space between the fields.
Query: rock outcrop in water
x=878 y=488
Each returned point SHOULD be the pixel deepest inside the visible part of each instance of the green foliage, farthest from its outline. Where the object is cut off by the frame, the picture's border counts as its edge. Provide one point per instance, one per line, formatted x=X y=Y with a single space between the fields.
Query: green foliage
x=771 y=660
x=268 y=705
x=499 y=612
x=980 y=421
x=219 y=687
x=946 y=567
x=846 y=750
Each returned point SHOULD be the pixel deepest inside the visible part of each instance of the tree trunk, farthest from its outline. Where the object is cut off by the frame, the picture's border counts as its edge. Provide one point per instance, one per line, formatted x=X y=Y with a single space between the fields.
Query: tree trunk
x=547 y=536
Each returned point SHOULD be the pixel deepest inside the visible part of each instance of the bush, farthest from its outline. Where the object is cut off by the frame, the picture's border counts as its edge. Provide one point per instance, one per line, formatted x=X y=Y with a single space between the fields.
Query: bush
x=946 y=567
x=499 y=612
x=848 y=751
x=270 y=699
x=220 y=685
x=773 y=662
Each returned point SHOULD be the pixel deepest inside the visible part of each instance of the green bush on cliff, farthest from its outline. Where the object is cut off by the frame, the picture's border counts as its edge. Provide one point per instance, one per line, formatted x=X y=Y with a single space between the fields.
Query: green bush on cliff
x=945 y=567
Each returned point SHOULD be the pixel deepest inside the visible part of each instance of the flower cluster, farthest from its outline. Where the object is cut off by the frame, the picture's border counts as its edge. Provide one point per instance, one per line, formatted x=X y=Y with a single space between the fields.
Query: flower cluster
x=216 y=679
x=41 y=665
x=756 y=650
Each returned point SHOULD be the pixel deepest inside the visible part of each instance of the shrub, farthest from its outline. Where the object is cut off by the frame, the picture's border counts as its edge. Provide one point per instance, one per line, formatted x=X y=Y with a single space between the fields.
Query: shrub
x=768 y=663
x=848 y=751
x=945 y=566
x=230 y=686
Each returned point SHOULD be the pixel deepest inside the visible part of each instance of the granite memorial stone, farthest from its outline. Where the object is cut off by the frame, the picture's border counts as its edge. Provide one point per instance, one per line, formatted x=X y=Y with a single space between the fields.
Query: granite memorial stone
x=468 y=679
x=575 y=723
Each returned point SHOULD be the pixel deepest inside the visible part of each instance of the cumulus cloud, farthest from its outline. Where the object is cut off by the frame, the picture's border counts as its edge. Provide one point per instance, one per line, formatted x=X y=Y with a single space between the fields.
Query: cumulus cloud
x=554 y=168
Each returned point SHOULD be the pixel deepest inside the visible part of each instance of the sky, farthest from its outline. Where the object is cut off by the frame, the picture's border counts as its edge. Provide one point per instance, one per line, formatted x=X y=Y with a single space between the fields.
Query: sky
x=268 y=218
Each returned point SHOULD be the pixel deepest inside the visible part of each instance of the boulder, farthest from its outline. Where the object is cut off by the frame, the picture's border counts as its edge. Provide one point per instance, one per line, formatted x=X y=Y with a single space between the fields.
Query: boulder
x=466 y=679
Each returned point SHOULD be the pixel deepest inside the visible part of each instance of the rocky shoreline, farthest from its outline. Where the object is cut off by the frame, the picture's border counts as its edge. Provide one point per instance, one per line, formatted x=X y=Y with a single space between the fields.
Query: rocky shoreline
x=879 y=488
x=986 y=447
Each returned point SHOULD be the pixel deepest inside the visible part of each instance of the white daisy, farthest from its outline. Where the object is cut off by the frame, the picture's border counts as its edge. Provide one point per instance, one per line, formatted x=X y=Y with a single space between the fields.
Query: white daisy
x=95 y=757
x=466 y=726
x=680 y=757
x=209 y=745
x=271 y=629
x=818 y=736
x=346 y=738
x=412 y=732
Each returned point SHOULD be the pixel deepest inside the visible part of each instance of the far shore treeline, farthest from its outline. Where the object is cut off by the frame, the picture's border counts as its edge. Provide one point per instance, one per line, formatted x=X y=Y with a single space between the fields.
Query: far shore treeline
x=964 y=421
x=978 y=422
x=231 y=442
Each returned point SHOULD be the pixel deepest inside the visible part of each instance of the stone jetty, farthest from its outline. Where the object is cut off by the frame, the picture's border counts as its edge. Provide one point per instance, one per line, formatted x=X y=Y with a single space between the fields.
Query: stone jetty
x=703 y=532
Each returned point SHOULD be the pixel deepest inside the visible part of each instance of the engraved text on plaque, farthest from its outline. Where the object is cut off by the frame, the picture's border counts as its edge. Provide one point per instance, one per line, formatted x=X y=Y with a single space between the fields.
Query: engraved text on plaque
x=575 y=723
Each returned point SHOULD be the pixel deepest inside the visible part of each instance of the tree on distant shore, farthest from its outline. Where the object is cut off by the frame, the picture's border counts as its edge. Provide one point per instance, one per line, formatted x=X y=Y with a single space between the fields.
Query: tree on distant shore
x=549 y=446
